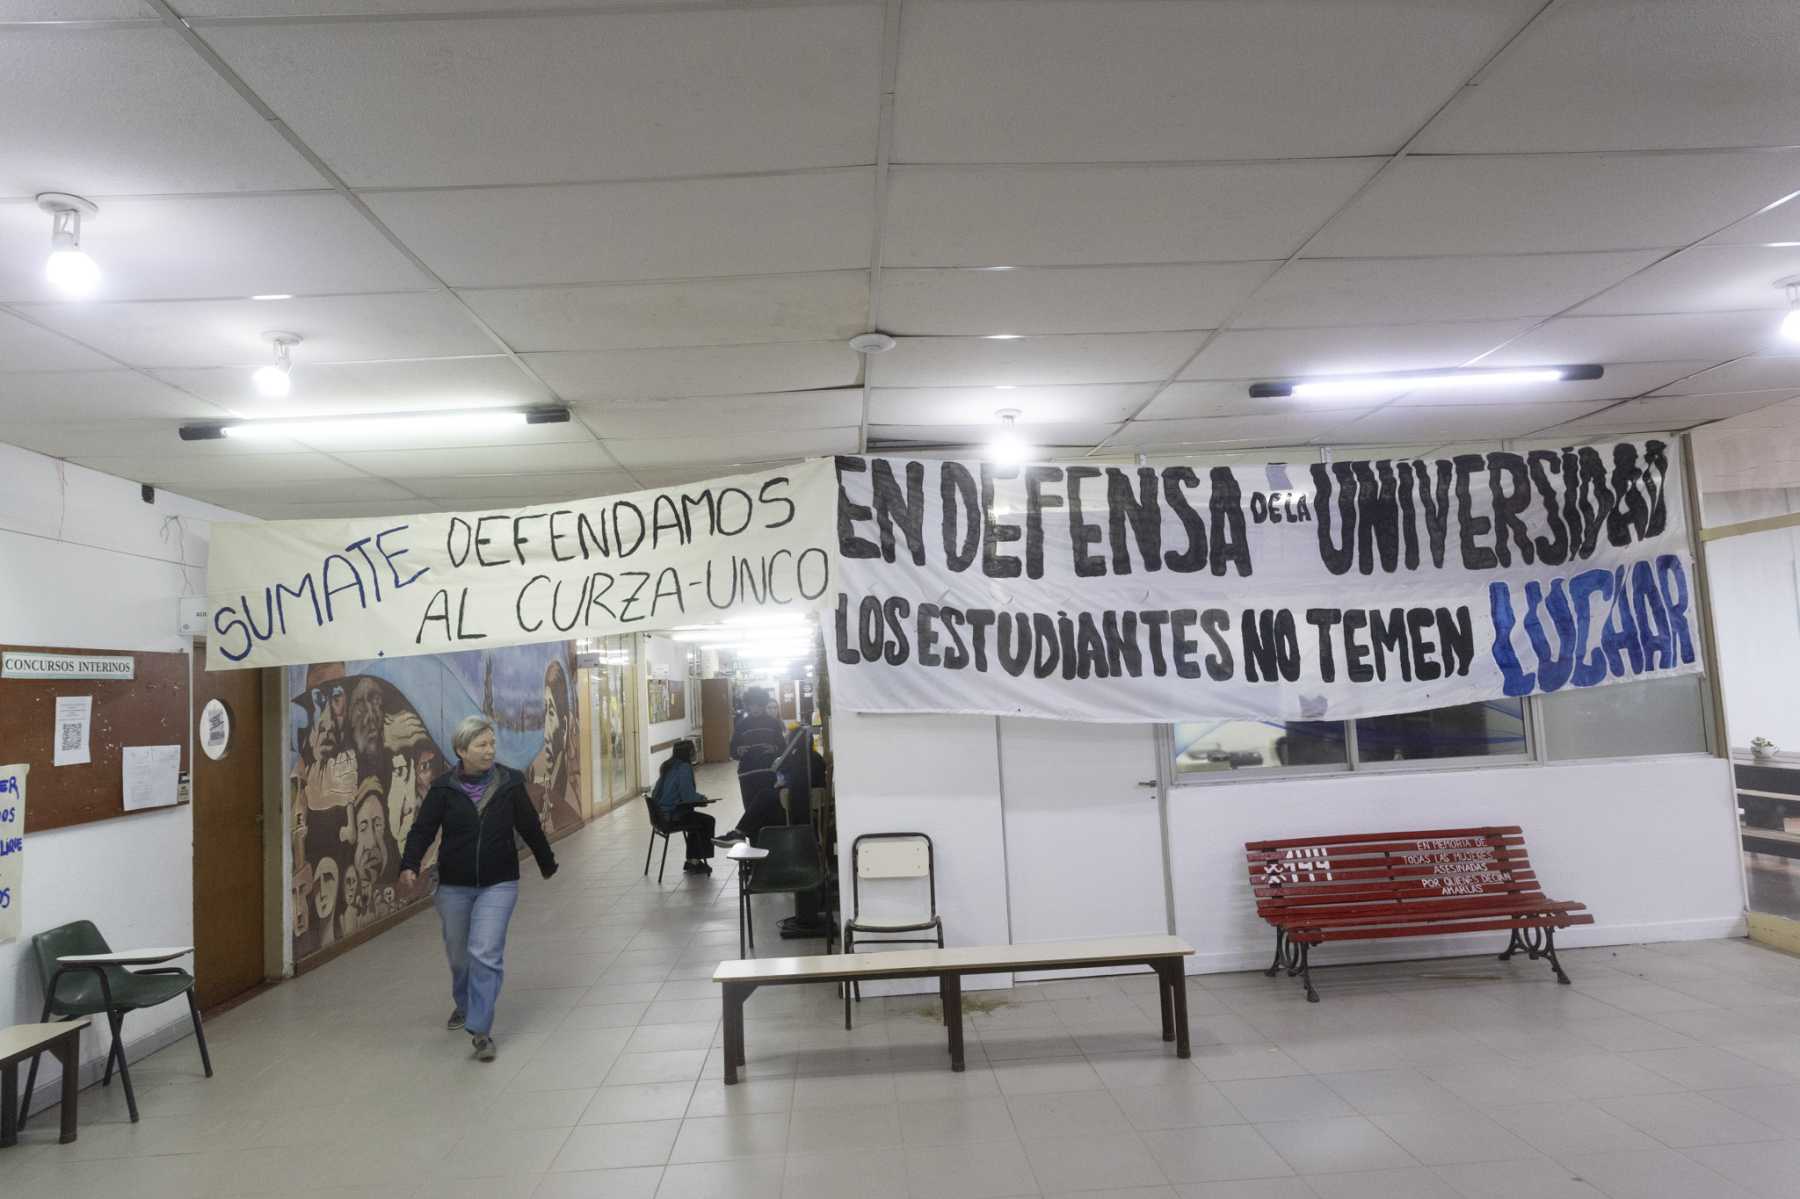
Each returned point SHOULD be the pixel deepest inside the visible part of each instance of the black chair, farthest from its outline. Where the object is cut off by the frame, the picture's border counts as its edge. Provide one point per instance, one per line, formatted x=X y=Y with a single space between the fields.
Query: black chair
x=887 y=857
x=92 y=990
x=659 y=827
x=795 y=865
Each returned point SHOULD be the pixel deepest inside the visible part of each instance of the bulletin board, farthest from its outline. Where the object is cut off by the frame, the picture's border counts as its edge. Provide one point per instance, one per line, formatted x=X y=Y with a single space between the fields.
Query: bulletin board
x=150 y=709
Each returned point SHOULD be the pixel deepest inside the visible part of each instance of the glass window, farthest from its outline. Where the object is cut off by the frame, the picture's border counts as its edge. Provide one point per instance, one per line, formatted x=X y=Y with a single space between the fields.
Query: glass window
x=1224 y=746
x=1495 y=728
x=1660 y=716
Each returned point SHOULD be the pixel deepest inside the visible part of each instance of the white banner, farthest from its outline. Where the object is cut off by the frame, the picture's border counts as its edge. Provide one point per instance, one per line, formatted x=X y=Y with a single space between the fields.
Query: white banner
x=300 y=591
x=12 y=849
x=1287 y=592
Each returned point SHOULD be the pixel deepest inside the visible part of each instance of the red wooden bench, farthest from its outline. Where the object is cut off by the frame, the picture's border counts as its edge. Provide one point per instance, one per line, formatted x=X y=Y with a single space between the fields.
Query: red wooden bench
x=1370 y=886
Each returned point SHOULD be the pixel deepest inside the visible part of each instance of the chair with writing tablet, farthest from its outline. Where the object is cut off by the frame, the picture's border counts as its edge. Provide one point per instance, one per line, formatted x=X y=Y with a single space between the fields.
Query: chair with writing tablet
x=890 y=858
x=82 y=976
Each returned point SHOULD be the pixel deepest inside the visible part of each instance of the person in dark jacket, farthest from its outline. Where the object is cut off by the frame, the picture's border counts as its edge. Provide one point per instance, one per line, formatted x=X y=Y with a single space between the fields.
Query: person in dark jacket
x=480 y=806
x=676 y=797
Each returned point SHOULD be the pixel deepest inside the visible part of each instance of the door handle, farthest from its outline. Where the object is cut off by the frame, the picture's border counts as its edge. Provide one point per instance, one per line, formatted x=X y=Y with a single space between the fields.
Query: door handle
x=1151 y=783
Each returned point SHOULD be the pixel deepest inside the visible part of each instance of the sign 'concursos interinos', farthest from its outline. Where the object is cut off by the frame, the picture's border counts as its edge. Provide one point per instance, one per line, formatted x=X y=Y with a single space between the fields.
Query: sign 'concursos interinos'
x=34 y=664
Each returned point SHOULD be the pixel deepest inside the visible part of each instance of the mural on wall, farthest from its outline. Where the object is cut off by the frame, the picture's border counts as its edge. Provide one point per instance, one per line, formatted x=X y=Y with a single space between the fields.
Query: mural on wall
x=367 y=739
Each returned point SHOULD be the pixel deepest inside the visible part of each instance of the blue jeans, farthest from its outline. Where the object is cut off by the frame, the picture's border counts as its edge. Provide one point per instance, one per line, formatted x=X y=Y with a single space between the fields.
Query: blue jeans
x=475 y=920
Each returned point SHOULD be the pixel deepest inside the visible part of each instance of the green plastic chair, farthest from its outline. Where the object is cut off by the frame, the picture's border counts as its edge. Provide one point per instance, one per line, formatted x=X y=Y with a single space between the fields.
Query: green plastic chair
x=794 y=864
x=112 y=991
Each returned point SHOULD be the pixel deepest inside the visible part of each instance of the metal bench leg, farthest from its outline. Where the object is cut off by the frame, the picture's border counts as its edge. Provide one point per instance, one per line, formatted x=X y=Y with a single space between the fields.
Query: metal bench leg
x=733 y=1018
x=1549 y=951
x=68 y=1052
x=199 y=1032
x=117 y=1019
x=1513 y=946
x=1166 y=982
x=849 y=987
x=1275 y=966
x=9 y=1104
x=952 y=990
x=1312 y=996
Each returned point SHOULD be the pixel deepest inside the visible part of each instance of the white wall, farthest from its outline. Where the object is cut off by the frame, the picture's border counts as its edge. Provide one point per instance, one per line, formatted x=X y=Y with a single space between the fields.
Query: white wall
x=1649 y=844
x=664 y=658
x=1755 y=583
x=86 y=563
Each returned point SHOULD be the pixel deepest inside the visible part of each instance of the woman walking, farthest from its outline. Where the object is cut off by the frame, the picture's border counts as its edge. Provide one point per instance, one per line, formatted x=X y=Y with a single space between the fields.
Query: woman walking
x=480 y=806
x=677 y=799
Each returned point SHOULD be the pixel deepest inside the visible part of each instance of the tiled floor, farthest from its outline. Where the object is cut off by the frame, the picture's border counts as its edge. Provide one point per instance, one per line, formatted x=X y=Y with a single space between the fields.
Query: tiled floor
x=1666 y=1071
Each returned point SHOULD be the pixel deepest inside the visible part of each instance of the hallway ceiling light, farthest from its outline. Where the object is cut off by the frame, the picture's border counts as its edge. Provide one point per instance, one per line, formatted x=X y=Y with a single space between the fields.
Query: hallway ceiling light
x=1006 y=447
x=274 y=381
x=871 y=343
x=69 y=269
x=1474 y=378
x=1790 y=324
x=376 y=426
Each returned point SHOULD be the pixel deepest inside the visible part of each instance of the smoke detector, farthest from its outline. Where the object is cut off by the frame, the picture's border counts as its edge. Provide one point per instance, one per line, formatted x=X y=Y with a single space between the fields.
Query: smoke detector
x=871 y=343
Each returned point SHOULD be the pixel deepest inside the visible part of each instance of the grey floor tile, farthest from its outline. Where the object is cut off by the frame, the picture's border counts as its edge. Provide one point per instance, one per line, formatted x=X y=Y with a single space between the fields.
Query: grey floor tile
x=987 y=1170
x=1215 y=1154
x=1686 y=1120
x=612 y=1146
x=1664 y=1174
x=1066 y=1114
x=1263 y=1099
x=1092 y=1163
x=637 y=1182
x=1540 y=1179
x=1389 y=1092
x=758 y=1178
x=862 y=1174
x=956 y=1121
x=637 y=1103
x=1331 y=1146
x=1770 y=1169
x=1572 y=1128
x=830 y=1130
x=1414 y=1182
x=1450 y=1137
x=727 y=1138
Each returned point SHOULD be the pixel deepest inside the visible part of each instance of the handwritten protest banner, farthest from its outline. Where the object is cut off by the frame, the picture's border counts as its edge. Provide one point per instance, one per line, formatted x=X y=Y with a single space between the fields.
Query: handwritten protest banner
x=1303 y=592
x=284 y=592
x=12 y=849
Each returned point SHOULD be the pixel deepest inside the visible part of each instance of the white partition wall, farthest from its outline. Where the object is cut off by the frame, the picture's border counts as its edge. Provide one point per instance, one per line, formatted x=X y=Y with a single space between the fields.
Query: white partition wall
x=1649 y=844
x=1084 y=841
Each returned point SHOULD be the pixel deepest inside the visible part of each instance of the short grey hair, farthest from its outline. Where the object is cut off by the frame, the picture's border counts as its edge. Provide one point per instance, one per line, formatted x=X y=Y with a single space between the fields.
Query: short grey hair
x=470 y=728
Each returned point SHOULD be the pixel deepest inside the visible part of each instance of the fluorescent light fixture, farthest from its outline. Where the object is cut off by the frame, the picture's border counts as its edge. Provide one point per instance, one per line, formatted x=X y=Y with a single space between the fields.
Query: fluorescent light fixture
x=69 y=269
x=274 y=381
x=1002 y=336
x=373 y=427
x=275 y=295
x=1790 y=324
x=1477 y=378
x=1006 y=447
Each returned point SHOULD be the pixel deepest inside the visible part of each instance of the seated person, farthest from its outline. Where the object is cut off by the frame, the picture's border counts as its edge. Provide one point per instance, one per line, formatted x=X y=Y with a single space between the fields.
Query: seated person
x=677 y=799
x=762 y=799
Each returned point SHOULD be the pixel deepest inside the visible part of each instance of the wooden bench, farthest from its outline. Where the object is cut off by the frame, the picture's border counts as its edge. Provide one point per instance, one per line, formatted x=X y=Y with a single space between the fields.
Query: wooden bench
x=23 y=1041
x=1371 y=886
x=1164 y=955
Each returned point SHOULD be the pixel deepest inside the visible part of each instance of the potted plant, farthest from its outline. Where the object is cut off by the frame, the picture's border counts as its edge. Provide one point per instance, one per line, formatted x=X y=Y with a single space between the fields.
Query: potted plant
x=1762 y=749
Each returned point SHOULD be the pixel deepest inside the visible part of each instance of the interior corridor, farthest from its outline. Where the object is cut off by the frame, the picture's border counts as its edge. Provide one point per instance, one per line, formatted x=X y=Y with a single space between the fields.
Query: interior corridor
x=1670 y=1070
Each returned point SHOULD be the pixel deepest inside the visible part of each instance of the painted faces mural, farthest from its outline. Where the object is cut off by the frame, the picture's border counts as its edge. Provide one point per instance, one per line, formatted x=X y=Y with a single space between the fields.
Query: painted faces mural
x=367 y=741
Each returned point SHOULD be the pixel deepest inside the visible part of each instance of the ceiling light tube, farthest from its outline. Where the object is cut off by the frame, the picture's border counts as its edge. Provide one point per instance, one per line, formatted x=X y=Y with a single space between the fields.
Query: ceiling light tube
x=275 y=380
x=1326 y=386
x=1006 y=448
x=375 y=425
x=1790 y=324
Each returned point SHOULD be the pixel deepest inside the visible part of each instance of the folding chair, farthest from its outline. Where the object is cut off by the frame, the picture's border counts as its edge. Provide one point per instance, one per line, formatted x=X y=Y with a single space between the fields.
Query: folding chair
x=795 y=864
x=890 y=856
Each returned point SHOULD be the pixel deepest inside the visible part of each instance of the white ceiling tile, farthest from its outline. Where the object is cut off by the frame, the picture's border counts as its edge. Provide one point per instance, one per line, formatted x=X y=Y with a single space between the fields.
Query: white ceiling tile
x=93 y=396
x=1184 y=400
x=1704 y=279
x=961 y=362
x=180 y=472
x=1038 y=435
x=25 y=347
x=1276 y=79
x=471 y=491
x=1746 y=374
x=130 y=111
x=122 y=438
x=727 y=414
x=1532 y=204
x=1124 y=299
x=483 y=460
x=1373 y=291
x=328 y=509
x=698 y=371
x=1630 y=75
x=1280 y=353
x=229 y=332
x=1012 y=216
x=78 y=10
x=1610 y=339
x=1676 y=412
x=314 y=8
x=360 y=490
x=736 y=448
x=1620 y=382
x=977 y=405
x=420 y=385
x=699 y=312
x=680 y=476
x=198 y=248
x=665 y=229
x=1282 y=429
x=1465 y=422
x=427 y=103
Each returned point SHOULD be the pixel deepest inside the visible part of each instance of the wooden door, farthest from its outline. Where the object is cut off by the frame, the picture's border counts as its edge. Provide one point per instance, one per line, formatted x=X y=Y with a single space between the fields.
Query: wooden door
x=715 y=719
x=228 y=832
